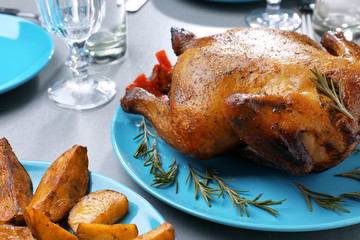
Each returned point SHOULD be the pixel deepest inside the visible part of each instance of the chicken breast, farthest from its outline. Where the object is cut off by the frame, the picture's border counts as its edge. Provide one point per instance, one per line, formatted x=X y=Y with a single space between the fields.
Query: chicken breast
x=250 y=89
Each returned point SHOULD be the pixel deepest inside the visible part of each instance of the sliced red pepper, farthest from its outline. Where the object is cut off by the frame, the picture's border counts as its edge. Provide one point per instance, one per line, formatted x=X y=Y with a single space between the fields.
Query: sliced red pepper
x=143 y=82
x=160 y=78
x=163 y=59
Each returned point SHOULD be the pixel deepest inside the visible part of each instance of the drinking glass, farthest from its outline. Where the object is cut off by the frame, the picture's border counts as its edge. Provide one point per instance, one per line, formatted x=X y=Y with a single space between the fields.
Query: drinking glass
x=109 y=43
x=335 y=15
x=74 y=21
x=274 y=17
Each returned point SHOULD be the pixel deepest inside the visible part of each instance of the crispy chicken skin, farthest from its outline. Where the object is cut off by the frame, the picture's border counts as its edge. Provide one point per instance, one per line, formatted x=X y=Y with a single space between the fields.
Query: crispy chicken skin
x=250 y=89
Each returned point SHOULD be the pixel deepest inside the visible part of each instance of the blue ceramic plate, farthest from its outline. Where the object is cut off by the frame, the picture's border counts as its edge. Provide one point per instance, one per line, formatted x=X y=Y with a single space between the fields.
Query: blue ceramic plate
x=234 y=1
x=25 y=49
x=141 y=212
x=293 y=214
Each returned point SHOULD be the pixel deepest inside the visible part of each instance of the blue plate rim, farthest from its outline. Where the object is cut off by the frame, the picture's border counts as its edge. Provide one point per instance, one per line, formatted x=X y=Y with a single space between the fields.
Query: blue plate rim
x=40 y=63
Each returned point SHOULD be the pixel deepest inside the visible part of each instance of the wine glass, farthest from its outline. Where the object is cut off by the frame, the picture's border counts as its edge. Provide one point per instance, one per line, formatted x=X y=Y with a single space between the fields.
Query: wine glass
x=74 y=21
x=273 y=17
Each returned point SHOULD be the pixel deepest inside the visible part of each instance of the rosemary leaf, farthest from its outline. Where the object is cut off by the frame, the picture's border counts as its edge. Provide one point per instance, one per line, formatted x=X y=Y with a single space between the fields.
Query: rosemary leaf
x=265 y=205
x=351 y=195
x=351 y=174
x=241 y=203
x=199 y=184
x=152 y=159
x=330 y=91
x=143 y=148
x=163 y=179
x=237 y=201
x=324 y=200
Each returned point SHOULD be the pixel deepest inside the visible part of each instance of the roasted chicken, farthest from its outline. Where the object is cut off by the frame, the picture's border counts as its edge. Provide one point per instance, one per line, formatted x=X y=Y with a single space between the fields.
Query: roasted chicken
x=250 y=89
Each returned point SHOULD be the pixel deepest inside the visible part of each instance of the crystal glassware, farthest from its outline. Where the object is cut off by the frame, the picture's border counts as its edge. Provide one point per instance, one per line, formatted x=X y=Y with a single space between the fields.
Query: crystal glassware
x=274 y=17
x=341 y=16
x=74 y=21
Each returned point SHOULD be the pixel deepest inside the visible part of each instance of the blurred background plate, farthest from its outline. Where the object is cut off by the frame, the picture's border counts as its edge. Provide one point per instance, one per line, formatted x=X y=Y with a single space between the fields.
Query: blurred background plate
x=25 y=49
x=234 y=1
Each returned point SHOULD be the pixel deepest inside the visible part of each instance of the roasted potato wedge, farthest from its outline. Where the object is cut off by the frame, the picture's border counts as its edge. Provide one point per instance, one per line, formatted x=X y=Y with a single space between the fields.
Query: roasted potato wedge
x=15 y=186
x=164 y=232
x=104 y=206
x=44 y=229
x=95 y=231
x=11 y=232
x=63 y=184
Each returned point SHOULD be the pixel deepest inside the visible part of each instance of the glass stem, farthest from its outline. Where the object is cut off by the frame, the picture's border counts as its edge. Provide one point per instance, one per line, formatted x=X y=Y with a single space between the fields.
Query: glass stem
x=78 y=61
x=273 y=7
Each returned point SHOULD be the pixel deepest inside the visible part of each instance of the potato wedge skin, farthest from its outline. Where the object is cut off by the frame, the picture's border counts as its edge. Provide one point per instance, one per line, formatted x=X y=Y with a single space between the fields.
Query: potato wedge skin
x=44 y=229
x=95 y=231
x=63 y=184
x=11 y=232
x=164 y=232
x=103 y=206
x=15 y=186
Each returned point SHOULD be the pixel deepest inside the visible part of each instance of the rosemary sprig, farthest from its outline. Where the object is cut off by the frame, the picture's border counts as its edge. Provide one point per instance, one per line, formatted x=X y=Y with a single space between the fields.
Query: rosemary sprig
x=201 y=185
x=241 y=203
x=152 y=158
x=351 y=195
x=143 y=148
x=330 y=91
x=322 y=199
x=237 y=201
x=265 y=204
x=352 y=174
x=163 y=179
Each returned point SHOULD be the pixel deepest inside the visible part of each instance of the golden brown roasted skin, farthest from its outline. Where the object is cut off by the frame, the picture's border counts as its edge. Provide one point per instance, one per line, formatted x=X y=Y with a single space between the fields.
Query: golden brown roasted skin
x=252 y=87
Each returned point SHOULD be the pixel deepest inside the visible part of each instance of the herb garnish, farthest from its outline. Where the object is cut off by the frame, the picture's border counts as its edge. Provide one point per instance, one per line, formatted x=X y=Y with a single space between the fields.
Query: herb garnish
x=234 y=194
x=201 y=184
x=352 y=174
x=143 y=148
x=201 y=181
x=165 y=178
x=241 y=203
x=351 y=195
x=152 y=158
x=322 y=199
x=330 y=91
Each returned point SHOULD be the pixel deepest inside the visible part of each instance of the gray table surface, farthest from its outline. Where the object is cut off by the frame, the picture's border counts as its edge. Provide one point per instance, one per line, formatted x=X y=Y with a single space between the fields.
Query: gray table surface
x=38 y=130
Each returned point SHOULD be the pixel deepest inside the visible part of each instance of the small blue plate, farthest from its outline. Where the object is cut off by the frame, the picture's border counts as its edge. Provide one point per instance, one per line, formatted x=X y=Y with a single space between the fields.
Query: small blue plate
x=293 y=213
x=25 y=49
x=234 y=1
x=141 y=213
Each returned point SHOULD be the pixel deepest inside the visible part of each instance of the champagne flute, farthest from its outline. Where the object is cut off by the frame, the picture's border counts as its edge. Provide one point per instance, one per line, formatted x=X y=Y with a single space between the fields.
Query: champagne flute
x=74 y=21
x=274 y=17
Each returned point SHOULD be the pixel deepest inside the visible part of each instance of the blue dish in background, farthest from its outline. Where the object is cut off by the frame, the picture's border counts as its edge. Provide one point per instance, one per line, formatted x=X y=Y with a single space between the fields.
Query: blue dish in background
x=234 y=1
x=141 y=213
x=293 y=215
x=25 y=49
